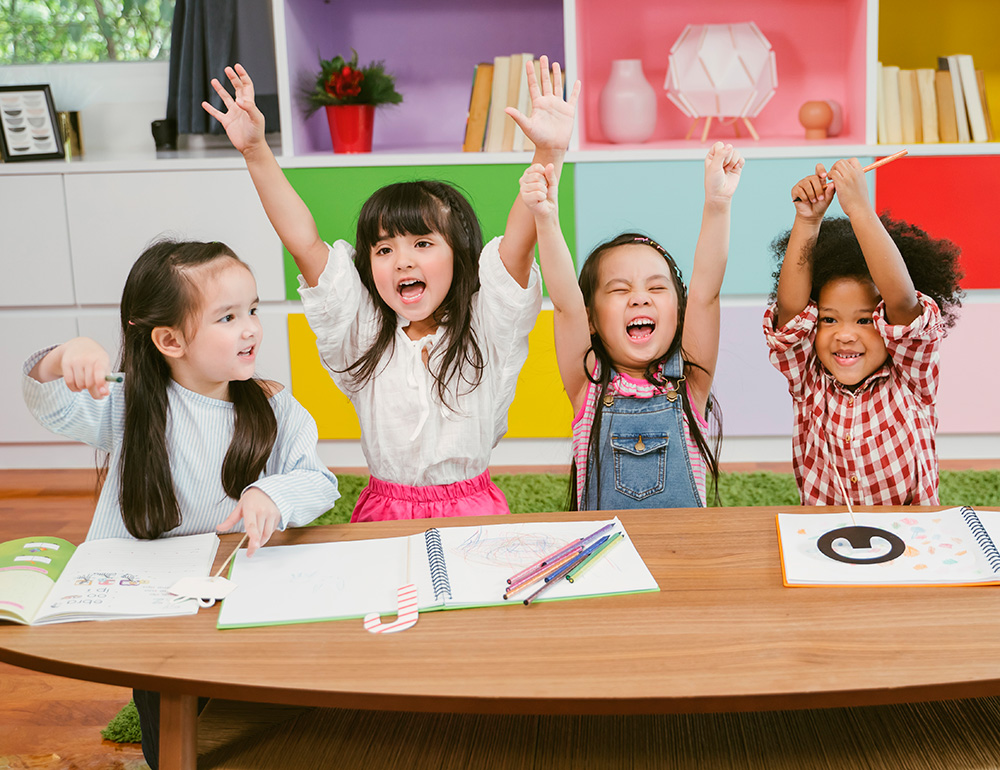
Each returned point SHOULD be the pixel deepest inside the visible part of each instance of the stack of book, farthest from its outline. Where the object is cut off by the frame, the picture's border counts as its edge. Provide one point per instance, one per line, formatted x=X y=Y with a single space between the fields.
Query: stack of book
x=496 y=85
x=925 y=105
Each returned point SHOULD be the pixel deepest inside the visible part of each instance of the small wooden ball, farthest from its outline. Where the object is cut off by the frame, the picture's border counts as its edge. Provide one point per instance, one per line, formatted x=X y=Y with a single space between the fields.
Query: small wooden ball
x=816 y=117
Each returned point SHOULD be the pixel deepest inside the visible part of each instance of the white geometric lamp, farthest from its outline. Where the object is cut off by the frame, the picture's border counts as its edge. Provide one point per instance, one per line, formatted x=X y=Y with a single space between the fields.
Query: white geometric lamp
x=721 y=71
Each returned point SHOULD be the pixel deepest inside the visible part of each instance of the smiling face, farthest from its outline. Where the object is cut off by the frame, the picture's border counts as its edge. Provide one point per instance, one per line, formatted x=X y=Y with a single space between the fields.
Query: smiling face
x=634 y=307
x=847 y=342
x=413 y=275
x=219 y=342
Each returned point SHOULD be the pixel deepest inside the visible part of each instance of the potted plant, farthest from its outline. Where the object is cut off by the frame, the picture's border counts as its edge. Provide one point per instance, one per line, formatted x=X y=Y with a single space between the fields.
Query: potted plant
x=350 y=94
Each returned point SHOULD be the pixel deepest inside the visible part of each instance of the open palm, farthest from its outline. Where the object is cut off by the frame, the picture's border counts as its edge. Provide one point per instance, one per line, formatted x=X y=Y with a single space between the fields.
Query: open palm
x=244 y=123
x=550 y=124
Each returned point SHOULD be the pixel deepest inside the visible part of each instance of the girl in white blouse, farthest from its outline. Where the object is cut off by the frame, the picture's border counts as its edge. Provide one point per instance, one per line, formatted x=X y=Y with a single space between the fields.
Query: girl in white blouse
x=424 y=328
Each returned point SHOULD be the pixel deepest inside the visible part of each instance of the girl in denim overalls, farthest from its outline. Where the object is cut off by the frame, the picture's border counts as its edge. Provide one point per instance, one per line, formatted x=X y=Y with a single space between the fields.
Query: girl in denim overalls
x=636 y=350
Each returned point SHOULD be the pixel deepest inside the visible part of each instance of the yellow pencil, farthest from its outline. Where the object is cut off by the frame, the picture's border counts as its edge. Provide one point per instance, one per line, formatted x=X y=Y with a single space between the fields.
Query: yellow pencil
x=580 y=569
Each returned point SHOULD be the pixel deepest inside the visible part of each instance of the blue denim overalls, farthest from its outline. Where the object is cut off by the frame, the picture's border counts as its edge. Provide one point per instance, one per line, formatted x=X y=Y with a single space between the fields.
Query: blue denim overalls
x=643 y=451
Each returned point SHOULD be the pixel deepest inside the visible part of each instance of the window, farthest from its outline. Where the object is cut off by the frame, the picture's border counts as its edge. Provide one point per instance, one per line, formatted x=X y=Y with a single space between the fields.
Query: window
x=42 y=31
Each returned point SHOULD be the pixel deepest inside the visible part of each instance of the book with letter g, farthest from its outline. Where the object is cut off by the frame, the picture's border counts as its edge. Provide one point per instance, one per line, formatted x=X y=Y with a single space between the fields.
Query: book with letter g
x=957 y=546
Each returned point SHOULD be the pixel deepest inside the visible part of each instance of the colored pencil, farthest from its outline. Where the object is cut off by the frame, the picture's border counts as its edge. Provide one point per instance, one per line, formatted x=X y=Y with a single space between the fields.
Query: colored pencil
x=230 y=557
x=544 y=572
x=555 y=576
x=114 y=378
x=870 y=166
x=547 y=560
x=594 y=557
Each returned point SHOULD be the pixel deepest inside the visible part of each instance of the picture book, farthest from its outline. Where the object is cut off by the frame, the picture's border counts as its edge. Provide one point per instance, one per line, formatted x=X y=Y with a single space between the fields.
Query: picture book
x=951 y=547
x=452 y=568
x=49 y=580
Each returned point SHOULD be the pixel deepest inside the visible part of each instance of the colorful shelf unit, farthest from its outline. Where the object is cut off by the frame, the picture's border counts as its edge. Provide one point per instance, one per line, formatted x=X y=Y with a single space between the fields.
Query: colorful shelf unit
x=913 y=33
x=432 y=48
x=823 y=51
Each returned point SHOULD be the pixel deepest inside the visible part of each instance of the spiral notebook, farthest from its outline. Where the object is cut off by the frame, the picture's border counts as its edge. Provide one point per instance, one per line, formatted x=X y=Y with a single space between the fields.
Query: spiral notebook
x=958 y=546
x=452 y=567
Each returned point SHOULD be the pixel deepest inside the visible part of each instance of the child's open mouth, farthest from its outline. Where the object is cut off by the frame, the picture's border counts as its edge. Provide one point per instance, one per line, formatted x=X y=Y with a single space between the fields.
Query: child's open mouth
x=640 y=329
x=247 y=352
x=411 y=291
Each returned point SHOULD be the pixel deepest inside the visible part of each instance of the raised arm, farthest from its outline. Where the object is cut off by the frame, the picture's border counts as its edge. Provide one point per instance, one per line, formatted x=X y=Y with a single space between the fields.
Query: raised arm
x=885 y=263
x=812 y=198
x=540 y=196
x=289 y=216
x=723 y=166
x=549 y=127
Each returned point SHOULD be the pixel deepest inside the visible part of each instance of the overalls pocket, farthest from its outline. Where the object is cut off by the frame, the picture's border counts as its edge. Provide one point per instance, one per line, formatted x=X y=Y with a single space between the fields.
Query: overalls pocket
x=640 y=463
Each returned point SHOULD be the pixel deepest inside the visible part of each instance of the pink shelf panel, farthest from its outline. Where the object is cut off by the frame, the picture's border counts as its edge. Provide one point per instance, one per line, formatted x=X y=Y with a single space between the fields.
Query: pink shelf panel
x=820 y=49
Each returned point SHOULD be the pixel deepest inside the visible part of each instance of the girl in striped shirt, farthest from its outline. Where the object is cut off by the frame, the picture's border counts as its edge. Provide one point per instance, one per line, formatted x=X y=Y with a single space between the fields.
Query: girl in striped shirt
x=194 y=442
x=637 y=350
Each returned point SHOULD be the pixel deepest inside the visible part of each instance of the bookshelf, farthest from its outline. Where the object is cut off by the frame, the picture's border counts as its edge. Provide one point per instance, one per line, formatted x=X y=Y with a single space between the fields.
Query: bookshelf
x=827 y=50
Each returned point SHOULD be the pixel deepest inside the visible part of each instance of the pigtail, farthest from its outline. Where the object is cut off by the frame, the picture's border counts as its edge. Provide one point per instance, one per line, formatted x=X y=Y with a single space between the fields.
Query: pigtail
x=254 y=433
x=145 y=485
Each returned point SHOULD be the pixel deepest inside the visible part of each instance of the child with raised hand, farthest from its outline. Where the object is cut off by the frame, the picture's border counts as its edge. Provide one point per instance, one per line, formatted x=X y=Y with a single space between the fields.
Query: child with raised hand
x=860 y=307
x=420 y=325
x=636 y=350
x=194 y=442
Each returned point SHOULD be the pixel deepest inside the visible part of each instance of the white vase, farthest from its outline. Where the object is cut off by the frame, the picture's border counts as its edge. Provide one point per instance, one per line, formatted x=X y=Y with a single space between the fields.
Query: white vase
x=627 y=104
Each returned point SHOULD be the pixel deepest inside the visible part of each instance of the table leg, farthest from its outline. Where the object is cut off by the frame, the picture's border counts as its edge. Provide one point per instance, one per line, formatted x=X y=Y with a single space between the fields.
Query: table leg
x=178 y=731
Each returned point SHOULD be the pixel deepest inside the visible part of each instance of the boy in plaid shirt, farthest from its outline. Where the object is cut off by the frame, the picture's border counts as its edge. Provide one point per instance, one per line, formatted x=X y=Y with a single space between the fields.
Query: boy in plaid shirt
x=861 y=305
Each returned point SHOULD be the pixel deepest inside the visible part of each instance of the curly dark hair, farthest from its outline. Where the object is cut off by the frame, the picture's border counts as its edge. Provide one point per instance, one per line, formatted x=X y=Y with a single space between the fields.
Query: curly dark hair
x=932 y=263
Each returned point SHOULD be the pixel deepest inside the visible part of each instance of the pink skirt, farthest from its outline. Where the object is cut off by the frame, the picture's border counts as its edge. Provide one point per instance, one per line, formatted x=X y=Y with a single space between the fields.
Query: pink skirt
x=383 y=500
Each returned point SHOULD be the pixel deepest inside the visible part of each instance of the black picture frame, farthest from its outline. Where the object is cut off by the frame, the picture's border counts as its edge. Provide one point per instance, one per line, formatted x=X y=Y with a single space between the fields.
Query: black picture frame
x=29 y=128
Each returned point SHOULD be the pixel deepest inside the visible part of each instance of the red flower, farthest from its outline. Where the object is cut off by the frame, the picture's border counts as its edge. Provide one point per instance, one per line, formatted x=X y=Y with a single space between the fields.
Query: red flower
x=345 y=83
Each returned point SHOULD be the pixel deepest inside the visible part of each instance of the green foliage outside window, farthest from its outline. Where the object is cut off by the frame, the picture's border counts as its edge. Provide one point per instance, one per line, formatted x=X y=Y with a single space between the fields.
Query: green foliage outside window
x=40 y=31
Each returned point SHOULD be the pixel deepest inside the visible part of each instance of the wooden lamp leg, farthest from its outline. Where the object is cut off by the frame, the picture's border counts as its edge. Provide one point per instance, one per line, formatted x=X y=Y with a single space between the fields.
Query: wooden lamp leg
x=691 y=129
x=704 y=133
x=749 y=125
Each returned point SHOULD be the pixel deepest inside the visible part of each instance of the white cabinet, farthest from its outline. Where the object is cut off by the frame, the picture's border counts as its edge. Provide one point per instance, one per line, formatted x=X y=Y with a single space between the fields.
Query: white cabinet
x=34 y=242
x=114 y=216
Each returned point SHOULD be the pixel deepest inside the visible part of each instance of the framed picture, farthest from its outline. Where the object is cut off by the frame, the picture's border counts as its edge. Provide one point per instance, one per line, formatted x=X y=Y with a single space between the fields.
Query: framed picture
x=28 y=126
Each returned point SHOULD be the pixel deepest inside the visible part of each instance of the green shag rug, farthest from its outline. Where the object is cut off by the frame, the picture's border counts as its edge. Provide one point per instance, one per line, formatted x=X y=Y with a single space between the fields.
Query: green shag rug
x=540 y=492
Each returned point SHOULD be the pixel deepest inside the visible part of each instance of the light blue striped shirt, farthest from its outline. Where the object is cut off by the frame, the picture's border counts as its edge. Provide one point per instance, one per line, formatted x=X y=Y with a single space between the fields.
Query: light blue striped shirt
x=199 y=430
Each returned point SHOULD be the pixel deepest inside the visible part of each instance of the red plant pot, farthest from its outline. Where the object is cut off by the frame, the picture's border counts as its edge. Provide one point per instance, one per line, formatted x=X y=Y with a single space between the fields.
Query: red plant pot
x=351 y=127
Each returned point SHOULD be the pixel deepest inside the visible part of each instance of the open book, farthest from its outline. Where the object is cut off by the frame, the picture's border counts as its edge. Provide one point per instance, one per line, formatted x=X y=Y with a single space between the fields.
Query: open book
x=49 y=580
x=952 y=547
x=452 y=568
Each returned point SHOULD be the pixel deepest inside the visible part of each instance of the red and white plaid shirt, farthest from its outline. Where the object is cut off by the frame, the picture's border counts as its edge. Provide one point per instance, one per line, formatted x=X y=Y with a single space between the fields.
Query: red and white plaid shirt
x=879 y=437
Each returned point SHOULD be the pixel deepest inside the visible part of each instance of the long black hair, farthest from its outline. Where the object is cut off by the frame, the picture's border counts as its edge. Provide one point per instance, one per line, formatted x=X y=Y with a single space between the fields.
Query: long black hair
x=419 y=208
x=588 y=286
x=161 y=291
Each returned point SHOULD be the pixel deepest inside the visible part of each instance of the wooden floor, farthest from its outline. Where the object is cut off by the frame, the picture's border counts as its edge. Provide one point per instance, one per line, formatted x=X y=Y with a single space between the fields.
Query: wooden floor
x=48 y=722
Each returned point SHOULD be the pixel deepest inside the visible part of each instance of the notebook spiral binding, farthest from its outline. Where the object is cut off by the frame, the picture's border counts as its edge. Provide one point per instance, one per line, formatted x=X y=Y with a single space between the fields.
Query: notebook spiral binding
x=982 y=538
x=439 y=569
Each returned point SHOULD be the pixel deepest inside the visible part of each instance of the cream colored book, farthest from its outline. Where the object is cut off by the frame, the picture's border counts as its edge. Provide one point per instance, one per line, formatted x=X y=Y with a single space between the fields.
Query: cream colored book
x=950 y=63
x=521 y=142
x=498 y=100
x=893 y=122
x=928 y=105
x=909 y=108
x=970 y=92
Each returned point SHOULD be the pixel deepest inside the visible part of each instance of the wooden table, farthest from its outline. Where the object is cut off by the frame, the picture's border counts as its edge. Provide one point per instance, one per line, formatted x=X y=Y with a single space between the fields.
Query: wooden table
x=722 y=635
